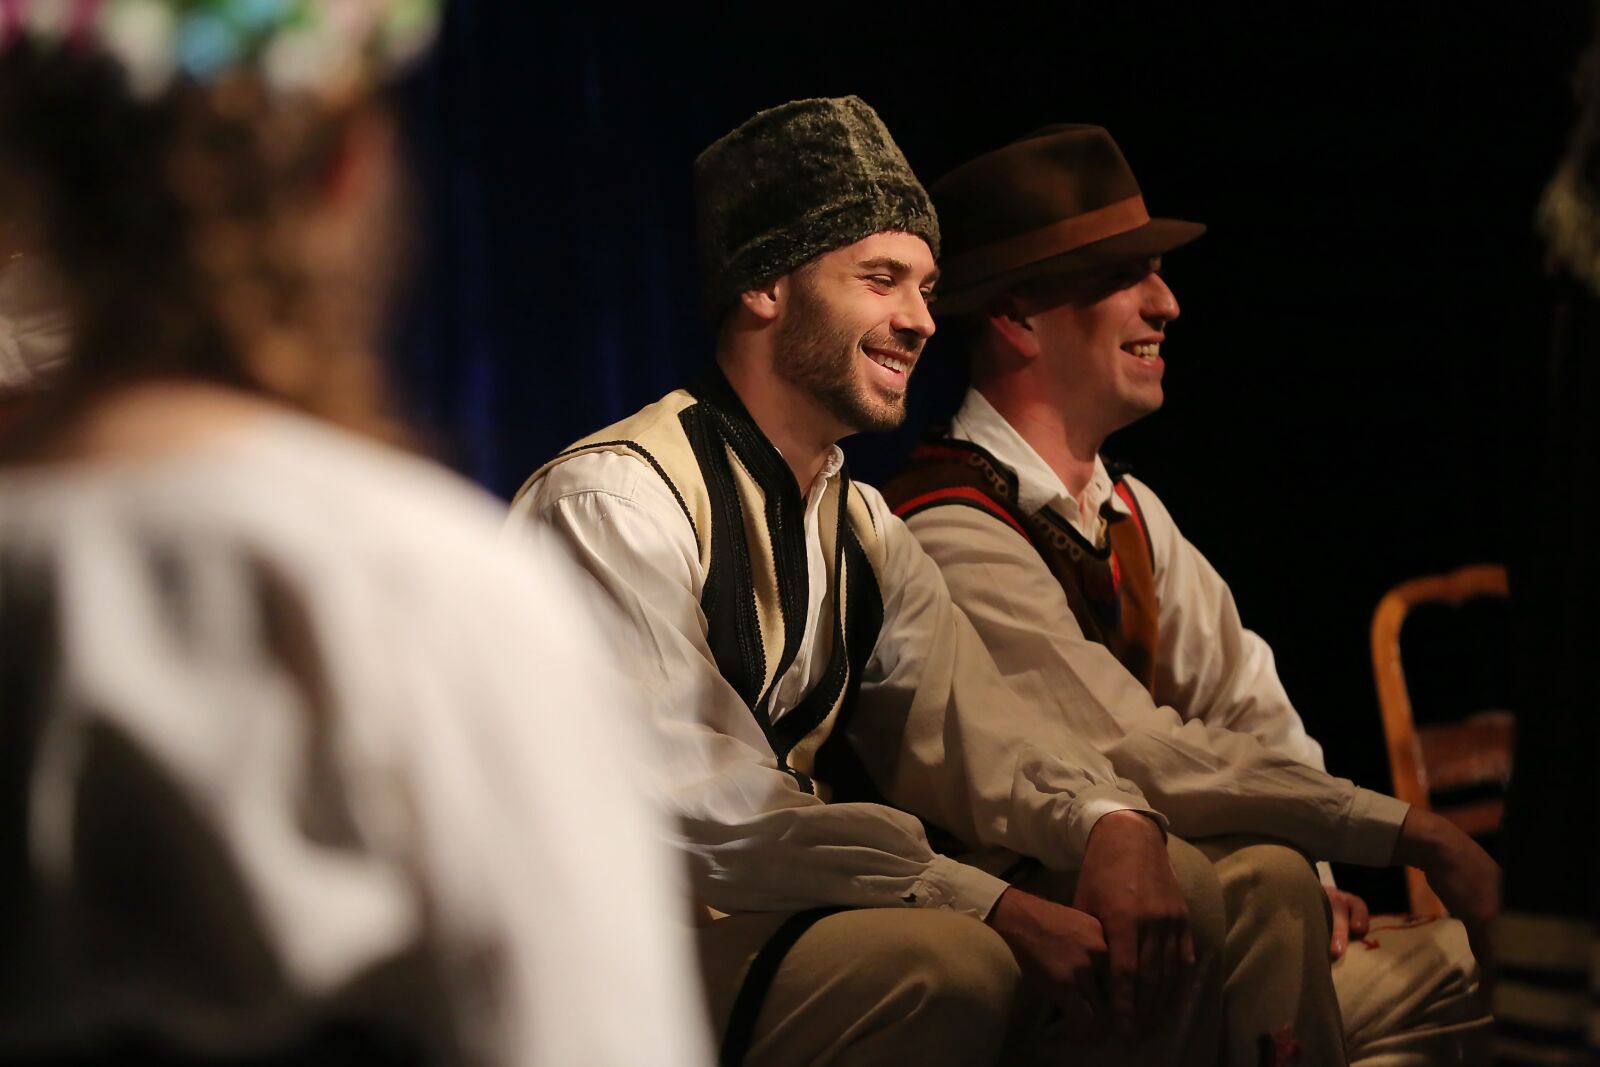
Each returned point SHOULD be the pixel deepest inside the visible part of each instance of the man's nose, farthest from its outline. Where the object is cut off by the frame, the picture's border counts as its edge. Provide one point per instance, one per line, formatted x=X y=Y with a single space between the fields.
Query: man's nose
x=1159 y=303
x=914 y=317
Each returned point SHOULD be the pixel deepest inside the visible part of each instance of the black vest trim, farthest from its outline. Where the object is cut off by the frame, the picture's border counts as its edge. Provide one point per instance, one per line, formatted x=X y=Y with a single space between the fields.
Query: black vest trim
x=720 y=423
x=728 y=597
x=813 y=709
x=837 y=762
x=1100 y=553
x=757 y=983
x=785 y=516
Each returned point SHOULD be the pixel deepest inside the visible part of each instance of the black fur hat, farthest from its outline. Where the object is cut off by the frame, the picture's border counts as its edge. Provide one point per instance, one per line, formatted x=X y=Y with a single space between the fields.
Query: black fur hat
x=796 y=181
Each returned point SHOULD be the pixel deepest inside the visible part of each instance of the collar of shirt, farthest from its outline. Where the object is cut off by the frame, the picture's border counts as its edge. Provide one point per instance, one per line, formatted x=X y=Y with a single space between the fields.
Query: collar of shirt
x=1038 y=486
x=831 y=465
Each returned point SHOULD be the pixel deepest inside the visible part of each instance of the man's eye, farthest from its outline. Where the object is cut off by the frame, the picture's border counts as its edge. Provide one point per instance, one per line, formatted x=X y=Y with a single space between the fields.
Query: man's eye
x=881 y=280
x=930 y=296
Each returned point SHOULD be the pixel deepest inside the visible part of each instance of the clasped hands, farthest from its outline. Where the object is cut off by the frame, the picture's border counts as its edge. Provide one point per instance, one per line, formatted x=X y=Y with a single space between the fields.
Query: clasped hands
x=1120 y=957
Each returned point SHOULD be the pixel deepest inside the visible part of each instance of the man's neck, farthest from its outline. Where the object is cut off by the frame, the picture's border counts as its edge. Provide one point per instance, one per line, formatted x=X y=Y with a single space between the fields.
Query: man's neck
x=1068 y=447
x=795 y=424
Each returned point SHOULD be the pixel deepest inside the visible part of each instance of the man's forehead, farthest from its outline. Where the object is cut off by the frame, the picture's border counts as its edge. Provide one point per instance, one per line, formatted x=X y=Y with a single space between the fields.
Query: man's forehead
x=892 y=248
x=1086 y=283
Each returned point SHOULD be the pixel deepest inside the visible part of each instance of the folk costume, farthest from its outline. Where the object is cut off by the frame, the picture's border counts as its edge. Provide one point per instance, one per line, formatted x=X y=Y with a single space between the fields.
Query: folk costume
x=829 y=729
x=1105 y=584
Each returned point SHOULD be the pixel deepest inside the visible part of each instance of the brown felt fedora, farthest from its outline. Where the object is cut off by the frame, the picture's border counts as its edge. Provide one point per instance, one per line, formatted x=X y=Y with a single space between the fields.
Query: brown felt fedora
x=1060 y=200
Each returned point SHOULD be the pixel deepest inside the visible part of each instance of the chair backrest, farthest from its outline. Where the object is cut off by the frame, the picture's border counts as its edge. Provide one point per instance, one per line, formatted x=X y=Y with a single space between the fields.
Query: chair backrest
x=1446 y=756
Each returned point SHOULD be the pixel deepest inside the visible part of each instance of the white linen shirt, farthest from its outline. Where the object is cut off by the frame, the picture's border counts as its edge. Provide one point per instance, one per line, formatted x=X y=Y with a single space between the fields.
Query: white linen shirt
x=1210 y=670
x=931 y=698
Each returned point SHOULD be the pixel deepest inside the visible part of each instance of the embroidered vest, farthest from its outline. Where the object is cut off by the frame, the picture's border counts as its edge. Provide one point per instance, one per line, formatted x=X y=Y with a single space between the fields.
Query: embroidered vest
x=1110 y=588
x=748 y=517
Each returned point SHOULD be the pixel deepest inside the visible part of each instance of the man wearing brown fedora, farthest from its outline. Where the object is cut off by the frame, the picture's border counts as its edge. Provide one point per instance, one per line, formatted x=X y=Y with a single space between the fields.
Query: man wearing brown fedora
x=1051 y=273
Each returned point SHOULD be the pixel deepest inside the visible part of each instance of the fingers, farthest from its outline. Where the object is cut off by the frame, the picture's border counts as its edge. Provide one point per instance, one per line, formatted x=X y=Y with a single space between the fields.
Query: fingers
x=1360 y=917
x=1177 y=969
x=1081 y=994
x=1151 y=986
x=1123 y=959
x=1082 y=1023
x=1341 y=925
x=1186 y=953
x=1092 y=992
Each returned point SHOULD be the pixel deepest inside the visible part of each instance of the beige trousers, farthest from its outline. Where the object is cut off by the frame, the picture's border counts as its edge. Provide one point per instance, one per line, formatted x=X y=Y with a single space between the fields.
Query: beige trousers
x=1410 y=997
x=1280 y=1001
x=891 y=986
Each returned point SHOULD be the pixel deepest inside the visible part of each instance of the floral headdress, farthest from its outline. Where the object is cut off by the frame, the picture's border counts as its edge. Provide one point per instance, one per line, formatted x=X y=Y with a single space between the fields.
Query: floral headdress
x=297 y=46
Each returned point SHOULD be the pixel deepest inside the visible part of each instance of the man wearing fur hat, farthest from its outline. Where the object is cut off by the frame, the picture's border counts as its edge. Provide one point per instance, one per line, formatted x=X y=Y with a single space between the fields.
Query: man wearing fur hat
x=1052 y=273
x=833 y=734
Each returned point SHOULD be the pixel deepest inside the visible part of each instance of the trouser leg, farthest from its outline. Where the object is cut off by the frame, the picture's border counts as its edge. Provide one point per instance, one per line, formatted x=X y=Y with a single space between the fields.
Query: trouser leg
x=1410 y=998
x=869 y=987
x=1279 y=995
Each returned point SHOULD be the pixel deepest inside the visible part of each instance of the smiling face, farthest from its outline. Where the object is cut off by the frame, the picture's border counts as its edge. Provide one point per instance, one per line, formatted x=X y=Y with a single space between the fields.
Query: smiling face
x=853 y=324
x=1100 y=341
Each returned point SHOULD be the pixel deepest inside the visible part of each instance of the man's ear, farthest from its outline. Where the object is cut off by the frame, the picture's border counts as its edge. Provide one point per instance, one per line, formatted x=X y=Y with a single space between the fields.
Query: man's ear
x=764 y=301
x=1014 y=330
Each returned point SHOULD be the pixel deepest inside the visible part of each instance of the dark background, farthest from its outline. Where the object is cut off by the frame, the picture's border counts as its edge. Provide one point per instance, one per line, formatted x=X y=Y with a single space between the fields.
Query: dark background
x=1364 y=329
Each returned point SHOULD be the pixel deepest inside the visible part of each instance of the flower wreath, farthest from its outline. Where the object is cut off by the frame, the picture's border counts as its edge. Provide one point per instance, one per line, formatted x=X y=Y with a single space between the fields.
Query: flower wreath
x=296 y=45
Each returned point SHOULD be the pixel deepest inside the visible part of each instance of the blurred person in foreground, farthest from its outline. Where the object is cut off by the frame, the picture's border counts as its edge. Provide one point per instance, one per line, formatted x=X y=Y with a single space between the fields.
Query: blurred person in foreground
x=33 y=325
x=276 y=787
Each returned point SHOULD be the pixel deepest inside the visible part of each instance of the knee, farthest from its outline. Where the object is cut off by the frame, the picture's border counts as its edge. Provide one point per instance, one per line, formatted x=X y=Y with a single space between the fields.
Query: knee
x=1202 y=892
x=1278 y=877
x=945 y=989
x=952 y=961
x=1279 y=869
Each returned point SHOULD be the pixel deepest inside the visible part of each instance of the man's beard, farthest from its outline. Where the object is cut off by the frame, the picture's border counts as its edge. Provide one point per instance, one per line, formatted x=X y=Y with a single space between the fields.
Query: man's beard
x=817 y=355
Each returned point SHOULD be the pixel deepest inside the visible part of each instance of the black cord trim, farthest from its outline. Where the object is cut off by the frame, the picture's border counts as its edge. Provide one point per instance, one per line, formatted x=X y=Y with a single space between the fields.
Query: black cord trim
x=785 y=519
x=837 y=761
x=728 y=596
x=807 y=715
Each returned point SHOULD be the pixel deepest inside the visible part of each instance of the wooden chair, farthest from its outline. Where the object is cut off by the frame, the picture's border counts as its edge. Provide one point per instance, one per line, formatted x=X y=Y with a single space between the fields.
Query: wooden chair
x=1448 y=756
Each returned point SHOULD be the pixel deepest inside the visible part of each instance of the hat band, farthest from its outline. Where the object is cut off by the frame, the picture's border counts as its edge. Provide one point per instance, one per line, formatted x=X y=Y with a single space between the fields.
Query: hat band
x=1047 y=241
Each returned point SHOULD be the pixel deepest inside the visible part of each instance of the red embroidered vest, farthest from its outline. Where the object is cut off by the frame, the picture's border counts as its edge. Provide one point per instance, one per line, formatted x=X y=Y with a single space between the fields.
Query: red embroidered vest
x=1110 y=588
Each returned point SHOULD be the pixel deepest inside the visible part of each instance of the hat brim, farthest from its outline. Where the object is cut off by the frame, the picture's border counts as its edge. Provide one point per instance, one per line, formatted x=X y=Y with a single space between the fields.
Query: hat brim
x=1154 y=238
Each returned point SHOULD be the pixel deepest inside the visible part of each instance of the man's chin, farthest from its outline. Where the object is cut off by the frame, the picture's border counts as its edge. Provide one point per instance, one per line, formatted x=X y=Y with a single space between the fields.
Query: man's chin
x=870 y=418
x=880 y=417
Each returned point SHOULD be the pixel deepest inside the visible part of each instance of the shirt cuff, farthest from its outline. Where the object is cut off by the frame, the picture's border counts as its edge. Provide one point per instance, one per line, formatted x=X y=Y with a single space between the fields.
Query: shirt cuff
x=948 y=883
x=1371 y=829
x=1103 y=800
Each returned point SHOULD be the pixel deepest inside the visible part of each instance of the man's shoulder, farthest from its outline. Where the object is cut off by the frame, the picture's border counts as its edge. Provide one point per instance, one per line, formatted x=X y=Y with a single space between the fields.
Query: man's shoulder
x=628 y=457
x=620 y=474
x=946 y=477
